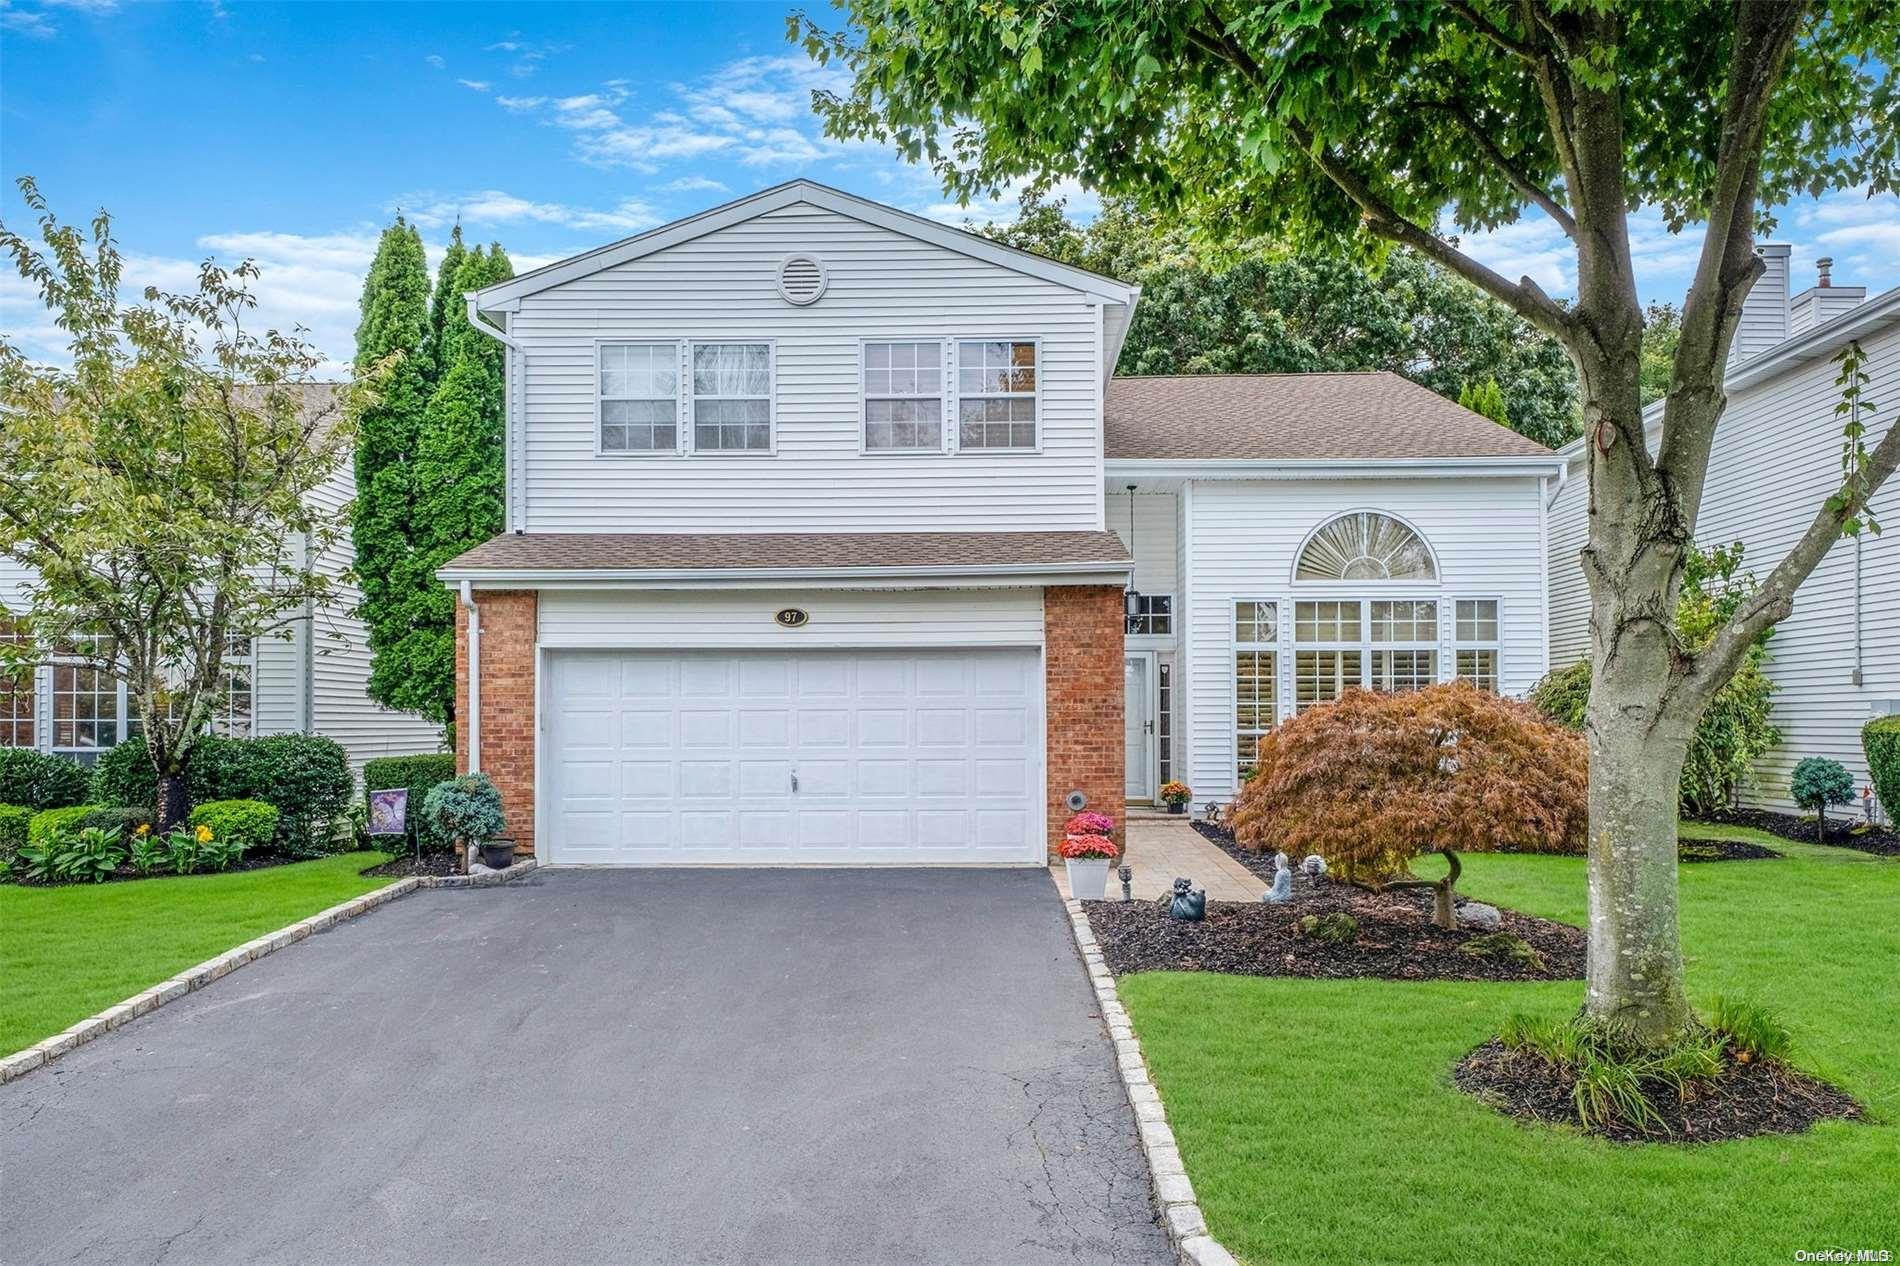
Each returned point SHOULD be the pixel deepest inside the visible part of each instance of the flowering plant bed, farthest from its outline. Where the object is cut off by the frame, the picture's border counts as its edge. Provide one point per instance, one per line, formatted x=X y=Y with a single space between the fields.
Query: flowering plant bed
x=1089 y=824
x=1387 y=936
x=1077 y=848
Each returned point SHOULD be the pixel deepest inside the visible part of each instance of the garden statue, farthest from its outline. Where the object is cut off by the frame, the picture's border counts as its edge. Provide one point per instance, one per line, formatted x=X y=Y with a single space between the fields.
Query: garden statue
x=1279 y=861
x=1282 y=890
x=1188 y=905
x=1314 y=865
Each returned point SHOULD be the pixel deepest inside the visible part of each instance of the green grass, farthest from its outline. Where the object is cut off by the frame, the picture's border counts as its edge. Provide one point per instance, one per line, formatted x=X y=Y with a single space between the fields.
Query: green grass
x=68 y=952
x=1319 y=1124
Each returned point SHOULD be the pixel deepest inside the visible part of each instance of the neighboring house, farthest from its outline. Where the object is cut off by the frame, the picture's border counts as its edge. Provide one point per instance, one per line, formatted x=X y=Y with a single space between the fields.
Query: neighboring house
x=313 y=679
x=1776 y=459
x=818 y=548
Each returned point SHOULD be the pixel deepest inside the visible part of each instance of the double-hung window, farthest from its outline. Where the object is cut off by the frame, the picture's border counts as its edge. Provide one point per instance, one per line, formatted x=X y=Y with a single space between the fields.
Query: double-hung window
x=903 y=397
x=639 y=397
x=88 y=702
x=1404 y=653
x=1154 y=614
x=732 y=397
x=1256 y=676
x=17 y=699
x=1475 y=641
x=996 y=394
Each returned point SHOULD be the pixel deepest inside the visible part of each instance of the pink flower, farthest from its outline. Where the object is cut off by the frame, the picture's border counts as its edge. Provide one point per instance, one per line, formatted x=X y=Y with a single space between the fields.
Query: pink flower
x=1089 y=824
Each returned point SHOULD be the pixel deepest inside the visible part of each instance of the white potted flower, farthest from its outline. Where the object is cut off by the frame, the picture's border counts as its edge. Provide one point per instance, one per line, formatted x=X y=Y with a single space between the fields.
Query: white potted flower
x=1087 y=852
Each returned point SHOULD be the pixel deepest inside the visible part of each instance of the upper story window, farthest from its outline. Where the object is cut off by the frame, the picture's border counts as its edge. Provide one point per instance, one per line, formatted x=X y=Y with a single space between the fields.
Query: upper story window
x=1154 y=614
x=732 y=397
x=1365 y=545
x=903 y=397
x=639 y=397
x=996 y=394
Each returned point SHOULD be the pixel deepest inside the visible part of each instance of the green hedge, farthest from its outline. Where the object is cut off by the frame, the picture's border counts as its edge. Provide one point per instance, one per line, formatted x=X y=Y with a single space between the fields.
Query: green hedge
x=306 y=776
x=251 y=823
x=1880 y=739
x=418 y=773
x=49 y=824
x=13 y=823
x=39 y=781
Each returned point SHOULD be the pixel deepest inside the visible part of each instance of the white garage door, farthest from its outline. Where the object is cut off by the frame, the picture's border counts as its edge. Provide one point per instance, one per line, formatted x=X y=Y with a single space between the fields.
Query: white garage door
x=756 y=758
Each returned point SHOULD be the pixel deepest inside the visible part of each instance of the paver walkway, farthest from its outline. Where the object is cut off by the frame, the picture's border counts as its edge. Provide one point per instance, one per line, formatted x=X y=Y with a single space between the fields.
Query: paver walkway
x=1164 y=848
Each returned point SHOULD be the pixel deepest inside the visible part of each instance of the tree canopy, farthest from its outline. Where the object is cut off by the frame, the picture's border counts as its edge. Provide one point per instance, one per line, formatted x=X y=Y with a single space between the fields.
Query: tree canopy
x=1258 y=308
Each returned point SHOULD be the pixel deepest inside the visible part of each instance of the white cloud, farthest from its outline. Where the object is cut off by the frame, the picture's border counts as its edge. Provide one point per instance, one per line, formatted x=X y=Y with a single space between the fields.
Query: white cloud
x=527 y=55
x=519 y=103
x=479 y=85
x=436 y=60
x=693 y=184
x=33 y=26
x=493 y=206
x=93 y=8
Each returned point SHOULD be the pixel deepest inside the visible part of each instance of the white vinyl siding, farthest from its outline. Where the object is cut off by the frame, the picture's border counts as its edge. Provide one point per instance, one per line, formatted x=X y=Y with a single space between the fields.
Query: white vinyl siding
x=1777 y=457
x=678 y=618
x=1240 y=539
x=883 y=286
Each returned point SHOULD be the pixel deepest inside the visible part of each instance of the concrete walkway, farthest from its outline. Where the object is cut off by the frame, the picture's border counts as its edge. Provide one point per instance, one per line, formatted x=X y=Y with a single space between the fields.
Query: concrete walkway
x=1163 y=848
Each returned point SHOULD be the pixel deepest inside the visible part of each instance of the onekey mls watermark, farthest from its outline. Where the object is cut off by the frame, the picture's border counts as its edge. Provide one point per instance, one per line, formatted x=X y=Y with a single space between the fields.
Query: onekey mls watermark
x=1843 y=1255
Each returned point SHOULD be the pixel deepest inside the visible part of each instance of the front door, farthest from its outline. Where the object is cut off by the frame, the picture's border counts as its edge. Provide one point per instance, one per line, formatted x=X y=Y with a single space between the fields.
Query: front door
x=1138 y=720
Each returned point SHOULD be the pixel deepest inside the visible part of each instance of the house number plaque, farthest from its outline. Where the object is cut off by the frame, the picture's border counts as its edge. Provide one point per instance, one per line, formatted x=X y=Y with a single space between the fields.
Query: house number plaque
x=792 y=618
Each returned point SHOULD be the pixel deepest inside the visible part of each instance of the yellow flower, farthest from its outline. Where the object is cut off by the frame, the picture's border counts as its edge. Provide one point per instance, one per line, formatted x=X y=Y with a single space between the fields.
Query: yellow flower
x=204 y=833
x=145 y=829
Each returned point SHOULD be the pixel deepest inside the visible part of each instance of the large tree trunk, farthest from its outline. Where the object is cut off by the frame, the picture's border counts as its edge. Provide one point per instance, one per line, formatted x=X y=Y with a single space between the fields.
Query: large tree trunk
x=174 y=801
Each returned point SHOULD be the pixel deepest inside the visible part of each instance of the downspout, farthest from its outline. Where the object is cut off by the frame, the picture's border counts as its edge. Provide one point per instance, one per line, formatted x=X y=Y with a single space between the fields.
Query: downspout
x=1563 y=477
x=511 y=385
x=473 y=721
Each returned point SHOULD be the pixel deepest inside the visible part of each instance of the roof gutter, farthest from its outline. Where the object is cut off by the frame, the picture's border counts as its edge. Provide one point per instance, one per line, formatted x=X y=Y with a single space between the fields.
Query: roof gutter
x=1327 y=468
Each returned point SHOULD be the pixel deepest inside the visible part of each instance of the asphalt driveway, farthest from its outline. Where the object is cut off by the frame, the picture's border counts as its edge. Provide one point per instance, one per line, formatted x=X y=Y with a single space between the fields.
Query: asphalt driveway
x=661 y=1066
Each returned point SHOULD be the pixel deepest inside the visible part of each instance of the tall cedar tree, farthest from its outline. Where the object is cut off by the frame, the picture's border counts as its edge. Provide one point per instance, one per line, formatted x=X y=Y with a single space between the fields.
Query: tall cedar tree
x=443 y=303
x=1376 y=122
x=395 y=324
x=1255 y=307
x=458 y=485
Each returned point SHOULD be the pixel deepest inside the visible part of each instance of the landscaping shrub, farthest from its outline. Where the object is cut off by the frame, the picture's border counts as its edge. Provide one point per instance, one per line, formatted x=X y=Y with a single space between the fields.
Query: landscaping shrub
x=306 y=776
x=419 y=774
x=1373 y=780
x=467 y=808
x=88 y=855
x=39 y=781
x=250 y=825
x=1880 y=739
x=1819 y=782
x=48 y=825
x=1335 y=928
x=13 y=824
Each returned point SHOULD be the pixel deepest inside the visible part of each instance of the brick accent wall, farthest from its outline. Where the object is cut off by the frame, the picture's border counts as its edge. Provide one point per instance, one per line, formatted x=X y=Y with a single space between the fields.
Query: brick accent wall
x=1082 y=641
x=508 y=633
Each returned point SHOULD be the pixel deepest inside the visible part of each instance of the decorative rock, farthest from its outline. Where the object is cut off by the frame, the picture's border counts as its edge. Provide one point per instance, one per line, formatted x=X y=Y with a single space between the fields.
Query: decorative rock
x=1314 y=865
x=1476 y=914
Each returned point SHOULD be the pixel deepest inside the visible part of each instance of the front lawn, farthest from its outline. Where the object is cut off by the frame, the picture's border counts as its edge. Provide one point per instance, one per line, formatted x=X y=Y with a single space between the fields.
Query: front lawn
x=1318 y=1122
x=70 y=951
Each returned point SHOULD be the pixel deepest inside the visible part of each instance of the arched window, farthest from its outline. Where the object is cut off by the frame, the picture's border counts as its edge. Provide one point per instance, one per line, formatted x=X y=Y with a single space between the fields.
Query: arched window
x=1365 y=545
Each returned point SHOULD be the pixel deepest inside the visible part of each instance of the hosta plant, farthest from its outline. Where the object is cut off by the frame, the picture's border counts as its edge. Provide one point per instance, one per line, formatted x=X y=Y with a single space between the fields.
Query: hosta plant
x=88 y=856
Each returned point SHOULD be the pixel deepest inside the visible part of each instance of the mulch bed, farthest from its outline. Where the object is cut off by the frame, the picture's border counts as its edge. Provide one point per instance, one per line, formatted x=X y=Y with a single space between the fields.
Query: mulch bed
x=406 y=865
x=1691 y=850
x=1748 y=1099
x=1842 y=832
x=1396 y=941
x=1694 y=850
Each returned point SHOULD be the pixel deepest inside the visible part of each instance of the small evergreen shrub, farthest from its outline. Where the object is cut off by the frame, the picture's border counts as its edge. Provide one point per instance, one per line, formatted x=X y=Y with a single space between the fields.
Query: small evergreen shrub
x=13 y=823
x=1819 y=782
x=419 y=774
x=1880 y=740
x=1336 y=928
x=1504 y=945
x=467 y=808
x=48 y=825
x=250 y=825
x=39 y=781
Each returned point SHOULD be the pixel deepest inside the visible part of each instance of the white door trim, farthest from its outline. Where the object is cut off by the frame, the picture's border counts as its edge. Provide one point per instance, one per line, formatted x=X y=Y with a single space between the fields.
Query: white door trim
x=1151 y=706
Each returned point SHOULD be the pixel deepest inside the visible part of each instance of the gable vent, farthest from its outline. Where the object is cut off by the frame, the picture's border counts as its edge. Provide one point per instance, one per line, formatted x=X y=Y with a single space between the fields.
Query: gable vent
x=801 y=279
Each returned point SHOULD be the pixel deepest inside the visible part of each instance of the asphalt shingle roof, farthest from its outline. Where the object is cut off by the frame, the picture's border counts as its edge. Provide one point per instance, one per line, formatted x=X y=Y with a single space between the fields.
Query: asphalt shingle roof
x=1293 y=417
x=638 y=551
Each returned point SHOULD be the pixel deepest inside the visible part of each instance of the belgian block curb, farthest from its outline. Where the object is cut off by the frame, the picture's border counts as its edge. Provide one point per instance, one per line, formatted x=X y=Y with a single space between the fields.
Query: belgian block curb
x=487 y=879
x=20 y=1063
x=1174 y=1194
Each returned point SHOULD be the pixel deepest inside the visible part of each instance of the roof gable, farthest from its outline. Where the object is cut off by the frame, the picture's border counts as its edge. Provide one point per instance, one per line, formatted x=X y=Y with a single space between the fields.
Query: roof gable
x=505 y=295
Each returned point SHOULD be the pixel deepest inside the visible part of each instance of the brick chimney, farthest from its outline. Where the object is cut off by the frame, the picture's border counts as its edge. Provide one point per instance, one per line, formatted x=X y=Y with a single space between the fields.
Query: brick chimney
x=1765 y=311
x=1823 y=301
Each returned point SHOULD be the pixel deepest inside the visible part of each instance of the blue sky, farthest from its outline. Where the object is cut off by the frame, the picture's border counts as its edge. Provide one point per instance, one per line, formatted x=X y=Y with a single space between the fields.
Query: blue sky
x=292 y=132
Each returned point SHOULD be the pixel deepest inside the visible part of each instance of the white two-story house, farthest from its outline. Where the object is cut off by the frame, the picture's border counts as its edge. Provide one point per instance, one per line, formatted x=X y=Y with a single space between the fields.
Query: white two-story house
x=832 y=538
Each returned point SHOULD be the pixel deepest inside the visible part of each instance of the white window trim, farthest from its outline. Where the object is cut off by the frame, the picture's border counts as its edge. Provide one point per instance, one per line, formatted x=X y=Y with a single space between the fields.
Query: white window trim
x=946 y=395
x=600 y=448
x=689 y=428
x=1235 y=647
x=954 y=422
x=1451 y=663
